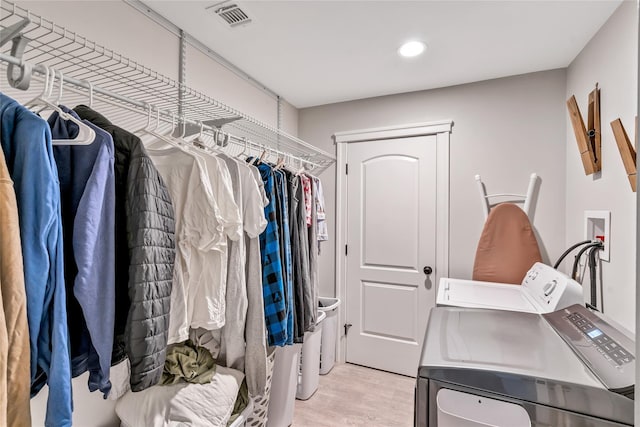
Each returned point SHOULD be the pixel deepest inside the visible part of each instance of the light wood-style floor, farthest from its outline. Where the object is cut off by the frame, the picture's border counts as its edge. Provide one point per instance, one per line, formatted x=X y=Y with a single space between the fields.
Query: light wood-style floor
x=352 y=395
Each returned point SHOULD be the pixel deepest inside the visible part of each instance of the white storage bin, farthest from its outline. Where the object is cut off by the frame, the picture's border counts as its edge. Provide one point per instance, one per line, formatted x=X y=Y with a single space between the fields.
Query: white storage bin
x=283 y=386
x=329 y=333
x=309 y=373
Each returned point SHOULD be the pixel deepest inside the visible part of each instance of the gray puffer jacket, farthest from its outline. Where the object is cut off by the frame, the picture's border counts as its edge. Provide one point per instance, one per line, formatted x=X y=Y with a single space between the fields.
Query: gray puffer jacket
x=145 y=253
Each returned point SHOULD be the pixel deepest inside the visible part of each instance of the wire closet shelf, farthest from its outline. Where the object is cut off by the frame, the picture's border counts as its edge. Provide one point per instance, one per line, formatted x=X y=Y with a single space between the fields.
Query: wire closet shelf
x=90 y=69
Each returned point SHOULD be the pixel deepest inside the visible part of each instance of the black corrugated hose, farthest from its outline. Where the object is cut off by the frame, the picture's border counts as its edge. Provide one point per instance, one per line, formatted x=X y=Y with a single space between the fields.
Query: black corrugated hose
x=568 y=251
x=592 y=273
x=574 y=271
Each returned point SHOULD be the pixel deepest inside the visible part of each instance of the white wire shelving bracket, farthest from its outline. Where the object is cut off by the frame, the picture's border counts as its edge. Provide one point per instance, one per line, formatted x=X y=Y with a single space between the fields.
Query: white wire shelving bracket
x=91 y=69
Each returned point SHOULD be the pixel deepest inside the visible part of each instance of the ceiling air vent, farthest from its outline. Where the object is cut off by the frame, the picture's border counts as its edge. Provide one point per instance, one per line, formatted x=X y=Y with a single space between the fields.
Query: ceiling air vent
x=232 y=14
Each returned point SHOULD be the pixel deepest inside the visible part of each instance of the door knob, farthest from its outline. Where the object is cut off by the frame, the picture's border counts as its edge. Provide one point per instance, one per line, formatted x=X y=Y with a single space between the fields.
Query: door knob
x=427 y=270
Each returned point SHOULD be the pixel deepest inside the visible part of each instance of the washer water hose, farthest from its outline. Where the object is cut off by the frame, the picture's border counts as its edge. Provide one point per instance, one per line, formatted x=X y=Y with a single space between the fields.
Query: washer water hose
x=568 y=251
x=597 y=244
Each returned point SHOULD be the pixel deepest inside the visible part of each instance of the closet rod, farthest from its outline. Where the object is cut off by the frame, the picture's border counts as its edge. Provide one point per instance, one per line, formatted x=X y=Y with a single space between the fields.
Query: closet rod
x=165 y=115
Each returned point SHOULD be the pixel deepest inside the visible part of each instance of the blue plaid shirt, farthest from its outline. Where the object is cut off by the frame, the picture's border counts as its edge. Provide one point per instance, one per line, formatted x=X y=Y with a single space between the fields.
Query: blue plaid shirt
x=275 y=307
x=285 y=242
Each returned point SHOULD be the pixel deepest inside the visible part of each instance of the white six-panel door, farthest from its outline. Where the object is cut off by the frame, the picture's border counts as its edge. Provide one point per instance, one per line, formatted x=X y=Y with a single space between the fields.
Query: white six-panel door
x=391 y=238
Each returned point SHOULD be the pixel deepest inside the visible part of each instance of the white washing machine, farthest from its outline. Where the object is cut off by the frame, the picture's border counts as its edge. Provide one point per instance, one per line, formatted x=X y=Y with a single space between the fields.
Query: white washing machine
x=543 y=290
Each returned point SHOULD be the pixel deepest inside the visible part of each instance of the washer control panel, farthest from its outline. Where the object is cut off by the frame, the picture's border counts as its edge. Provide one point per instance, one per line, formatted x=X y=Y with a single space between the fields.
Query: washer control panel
x=607 y=351
x=607 y=346
x=551 y=289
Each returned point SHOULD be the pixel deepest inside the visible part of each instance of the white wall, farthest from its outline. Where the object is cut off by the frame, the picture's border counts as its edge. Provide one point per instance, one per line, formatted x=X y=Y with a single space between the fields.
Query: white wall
x=611 y=59
x=215 y=80
x=120 y=27
x=289 y=118
x=504 y=130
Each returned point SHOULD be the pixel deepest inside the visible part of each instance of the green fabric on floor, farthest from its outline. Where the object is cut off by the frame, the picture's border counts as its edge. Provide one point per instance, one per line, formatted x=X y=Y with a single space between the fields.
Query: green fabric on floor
x=242 y=401
x=187 y=362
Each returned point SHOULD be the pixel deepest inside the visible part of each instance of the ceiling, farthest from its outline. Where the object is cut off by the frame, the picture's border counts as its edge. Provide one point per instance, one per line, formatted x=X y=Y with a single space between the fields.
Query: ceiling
x=320 y=52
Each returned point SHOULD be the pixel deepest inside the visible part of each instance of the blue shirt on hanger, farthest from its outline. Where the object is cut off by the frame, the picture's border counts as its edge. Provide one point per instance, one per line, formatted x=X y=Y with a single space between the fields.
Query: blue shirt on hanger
x=87 y=186
x=26 y=142
x=275 y=309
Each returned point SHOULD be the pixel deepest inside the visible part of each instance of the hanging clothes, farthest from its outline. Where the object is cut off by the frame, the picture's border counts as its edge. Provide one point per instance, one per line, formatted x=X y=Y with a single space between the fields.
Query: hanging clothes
x=243 y=340
x=323 y=232
x=15 y=379
x=301 y=248
x=196 y=230
x=311 y=296
x=256 y=358
x=306 y=186
x=87 y=191
x=282 y=214
x=300 y=258
x=232 y=343
x=26 y=142
x=214 y=263
x=145 y=255
x=275 y=309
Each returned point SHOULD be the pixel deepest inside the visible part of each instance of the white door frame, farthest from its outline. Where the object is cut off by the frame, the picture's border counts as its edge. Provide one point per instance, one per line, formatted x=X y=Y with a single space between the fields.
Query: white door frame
x=442 y=130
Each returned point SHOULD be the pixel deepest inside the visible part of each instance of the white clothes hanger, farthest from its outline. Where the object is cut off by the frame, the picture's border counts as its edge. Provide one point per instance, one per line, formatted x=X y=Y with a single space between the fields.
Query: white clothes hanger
x=46 y=94
x=290 y=165
x=252 y=155
x=280 y=160
x=28 y=104
x=88 y=83
x=200 y=139
x=257 y=159
x=301 y=170
x=244 y=148
x=86 y=135
x=146 y=128
x=161 y=139
x=225 y=138
x=263 y=155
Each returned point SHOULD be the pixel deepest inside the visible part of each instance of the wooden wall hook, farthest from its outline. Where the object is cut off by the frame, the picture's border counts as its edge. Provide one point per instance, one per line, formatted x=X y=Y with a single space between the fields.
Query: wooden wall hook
x=627 y=151
x=588 y=139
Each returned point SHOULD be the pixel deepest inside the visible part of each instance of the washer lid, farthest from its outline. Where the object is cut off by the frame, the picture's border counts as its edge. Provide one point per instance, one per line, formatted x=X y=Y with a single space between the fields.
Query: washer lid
x=522 y=344
x=472 y=294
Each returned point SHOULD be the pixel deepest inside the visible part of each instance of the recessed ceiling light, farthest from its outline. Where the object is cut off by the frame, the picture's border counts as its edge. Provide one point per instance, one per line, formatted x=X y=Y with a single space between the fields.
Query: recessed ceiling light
x=412 y=48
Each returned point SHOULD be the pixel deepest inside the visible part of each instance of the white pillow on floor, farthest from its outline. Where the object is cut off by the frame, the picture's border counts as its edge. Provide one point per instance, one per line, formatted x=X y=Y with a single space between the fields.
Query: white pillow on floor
x=183 y=404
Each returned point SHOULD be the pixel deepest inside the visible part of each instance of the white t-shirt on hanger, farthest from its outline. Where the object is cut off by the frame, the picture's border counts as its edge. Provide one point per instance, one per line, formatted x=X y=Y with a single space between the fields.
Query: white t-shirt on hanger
x=207 y=301
x=197 y=230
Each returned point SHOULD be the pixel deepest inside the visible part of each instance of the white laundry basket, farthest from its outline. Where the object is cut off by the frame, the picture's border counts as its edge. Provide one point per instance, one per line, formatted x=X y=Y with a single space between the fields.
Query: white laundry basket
x=283 y=386
x=241 y=421
x=329 y=333
x=309 y=373
x=261 y=403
